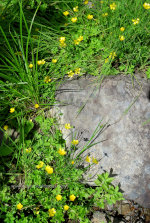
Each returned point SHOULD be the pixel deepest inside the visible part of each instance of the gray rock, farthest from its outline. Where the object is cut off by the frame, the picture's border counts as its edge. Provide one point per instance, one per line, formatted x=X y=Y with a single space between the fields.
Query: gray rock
x=122 y=107
x=98 y=217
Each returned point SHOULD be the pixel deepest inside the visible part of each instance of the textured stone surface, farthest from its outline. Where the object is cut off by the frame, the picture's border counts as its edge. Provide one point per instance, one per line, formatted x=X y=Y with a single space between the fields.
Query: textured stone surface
x=98 y=217
x=125 y=146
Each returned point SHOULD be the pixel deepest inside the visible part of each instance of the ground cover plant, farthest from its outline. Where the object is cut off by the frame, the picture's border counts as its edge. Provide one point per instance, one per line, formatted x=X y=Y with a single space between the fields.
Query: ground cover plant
x=43 y=183
x=43 y=43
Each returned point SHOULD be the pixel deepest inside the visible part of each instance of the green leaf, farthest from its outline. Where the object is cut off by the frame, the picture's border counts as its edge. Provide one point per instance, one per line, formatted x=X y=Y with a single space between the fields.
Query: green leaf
x=148 y=73
x=6 y=150
x=28 y=127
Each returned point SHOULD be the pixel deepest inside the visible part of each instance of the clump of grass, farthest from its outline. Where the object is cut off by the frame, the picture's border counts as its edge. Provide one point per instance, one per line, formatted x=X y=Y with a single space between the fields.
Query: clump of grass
x=115 y=38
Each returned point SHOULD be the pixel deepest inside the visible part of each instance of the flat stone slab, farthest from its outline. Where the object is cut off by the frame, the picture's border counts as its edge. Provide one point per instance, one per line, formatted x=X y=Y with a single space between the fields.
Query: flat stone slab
x=122 y=105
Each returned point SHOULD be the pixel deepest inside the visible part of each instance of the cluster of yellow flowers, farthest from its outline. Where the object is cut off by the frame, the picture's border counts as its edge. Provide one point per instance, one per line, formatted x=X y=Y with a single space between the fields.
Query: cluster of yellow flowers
x=78 y=40
x=47 y=79
x=135 y=21
x=52 y=211
x=71 y=73
x=111 y=56
x=62 y=41
x=146 y=5
x=88 y=159
x=48 y=168
x=41 y=62
x=105 y=14
x=75 y=9
x=113 y=6
x=62 y=152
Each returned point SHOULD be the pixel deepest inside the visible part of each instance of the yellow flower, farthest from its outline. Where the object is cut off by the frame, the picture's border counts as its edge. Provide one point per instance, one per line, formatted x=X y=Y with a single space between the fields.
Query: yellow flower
x=76 y=42
x=72 y=162
x=75 y=142
x=30 y=65
x=101 y=2
x=105 y=14
x=62 y=44
x=39 y=62
x=72 y=197
x=67 y=126
x=135 y=21
x=36 y=106
x=49 y=169
x=86 y=2
x=66 y=207
x=12 y=110
x=66 y=13
x=43 y=61
x=58 y=197
x=75 y=9
x=77 y=70
x=54 y=60
x=40 y=165
x=70 y=73
x=74 y=19
x=47 y=79
x=90 y=16
x=62 y=151
x=122 y=29
x=94 y=160
x=19 y=206
x=146 y=5
x=80 y=38
x=106 y=60
x=88 y=159
x=28 y=150
x=52 y=212
x=113 y=6
x=5 y=127
x=112 y=55
x=62 y=39
x=121 y=38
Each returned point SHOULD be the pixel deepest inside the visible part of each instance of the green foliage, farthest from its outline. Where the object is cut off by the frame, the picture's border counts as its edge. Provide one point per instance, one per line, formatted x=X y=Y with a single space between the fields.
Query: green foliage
x=101 y=37
x=38 y=188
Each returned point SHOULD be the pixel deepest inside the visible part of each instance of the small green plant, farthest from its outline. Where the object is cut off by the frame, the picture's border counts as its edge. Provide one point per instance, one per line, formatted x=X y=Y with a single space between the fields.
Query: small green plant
x=44 y=183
